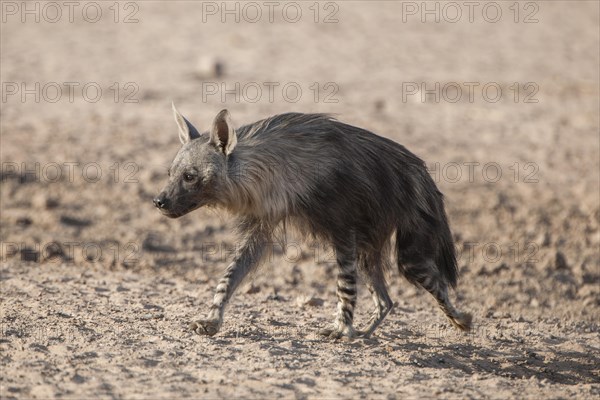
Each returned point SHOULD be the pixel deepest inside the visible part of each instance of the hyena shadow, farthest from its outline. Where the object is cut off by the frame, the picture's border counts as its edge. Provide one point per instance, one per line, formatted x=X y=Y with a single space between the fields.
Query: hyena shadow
x=507 y=359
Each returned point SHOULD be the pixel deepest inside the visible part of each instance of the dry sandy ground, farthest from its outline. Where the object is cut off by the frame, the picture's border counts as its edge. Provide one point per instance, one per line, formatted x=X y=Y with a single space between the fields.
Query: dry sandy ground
x=98 y=288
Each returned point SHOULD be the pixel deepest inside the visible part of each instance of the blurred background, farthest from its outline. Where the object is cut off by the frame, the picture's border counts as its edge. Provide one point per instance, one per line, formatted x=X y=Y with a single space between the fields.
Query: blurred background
x=501 y=99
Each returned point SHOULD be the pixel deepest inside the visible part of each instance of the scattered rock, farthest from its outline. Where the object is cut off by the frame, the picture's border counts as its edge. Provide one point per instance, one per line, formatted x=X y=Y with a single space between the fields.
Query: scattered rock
x=52 y=202
x=253 y=289
x=78 y=379
x=29 y=254
x=547 y=241
x=274 y=322
x=43 y=200
x=64 y=314
x=153 y=307
x=54 y=252
x=534 y=303
x=379 y=105
x=73 y=221
x=500 y=315
x=24 y=221
x=560 y=262
x=38 y=347
x=150 y=316
x=588 y=279
x=310 y=301
x=209 y=67
x=275 y=297
x=306 y=381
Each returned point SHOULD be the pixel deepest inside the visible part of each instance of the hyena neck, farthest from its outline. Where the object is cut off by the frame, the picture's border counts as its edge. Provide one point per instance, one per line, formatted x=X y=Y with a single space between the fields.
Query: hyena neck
x=254 y=188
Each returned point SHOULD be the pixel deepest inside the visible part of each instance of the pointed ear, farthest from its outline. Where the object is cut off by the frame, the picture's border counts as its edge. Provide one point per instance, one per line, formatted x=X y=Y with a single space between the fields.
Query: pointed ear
x=187 y=131
x=222 y=133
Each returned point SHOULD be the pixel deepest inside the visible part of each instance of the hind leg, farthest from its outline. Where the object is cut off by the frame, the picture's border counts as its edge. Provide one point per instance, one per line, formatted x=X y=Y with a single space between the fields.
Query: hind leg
x=346 y=293
x=375 y=282
x=426 y=275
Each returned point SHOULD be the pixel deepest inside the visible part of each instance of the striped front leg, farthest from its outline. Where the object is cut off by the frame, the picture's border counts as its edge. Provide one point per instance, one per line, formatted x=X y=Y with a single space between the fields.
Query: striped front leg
x=249 y=258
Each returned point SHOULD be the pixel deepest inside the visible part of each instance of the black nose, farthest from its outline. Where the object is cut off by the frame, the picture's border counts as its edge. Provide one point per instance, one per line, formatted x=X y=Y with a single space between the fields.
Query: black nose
x=160 y=201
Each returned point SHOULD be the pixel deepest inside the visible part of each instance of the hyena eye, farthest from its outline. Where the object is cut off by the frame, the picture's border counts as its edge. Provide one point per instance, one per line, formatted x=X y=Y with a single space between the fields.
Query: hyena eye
x=188 y=177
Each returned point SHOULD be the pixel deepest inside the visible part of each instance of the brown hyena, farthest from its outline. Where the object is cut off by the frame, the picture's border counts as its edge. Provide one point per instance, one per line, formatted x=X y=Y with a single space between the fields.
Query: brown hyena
x=359 y=192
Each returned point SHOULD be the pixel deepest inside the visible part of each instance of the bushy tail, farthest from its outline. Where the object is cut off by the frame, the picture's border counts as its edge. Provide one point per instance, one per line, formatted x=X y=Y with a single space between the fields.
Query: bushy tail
x=427 y=258
x=445 y=258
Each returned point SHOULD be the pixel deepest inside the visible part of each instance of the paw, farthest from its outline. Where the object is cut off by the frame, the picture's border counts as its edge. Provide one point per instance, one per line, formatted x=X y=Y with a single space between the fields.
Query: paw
x=463 y=321
x=335 y=334
x=206 y=327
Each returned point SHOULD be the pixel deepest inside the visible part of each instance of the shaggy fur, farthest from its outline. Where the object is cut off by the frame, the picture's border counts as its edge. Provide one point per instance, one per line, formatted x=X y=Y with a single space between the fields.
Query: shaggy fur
x=341 y=184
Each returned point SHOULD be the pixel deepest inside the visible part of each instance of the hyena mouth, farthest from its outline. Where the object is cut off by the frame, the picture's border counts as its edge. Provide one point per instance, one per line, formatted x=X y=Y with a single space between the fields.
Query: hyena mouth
x=178 y=212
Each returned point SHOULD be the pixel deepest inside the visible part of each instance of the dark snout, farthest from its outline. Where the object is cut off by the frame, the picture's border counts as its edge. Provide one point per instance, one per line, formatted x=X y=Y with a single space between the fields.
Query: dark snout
x=174 y=205
x=161 y=202
x=165 y=205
